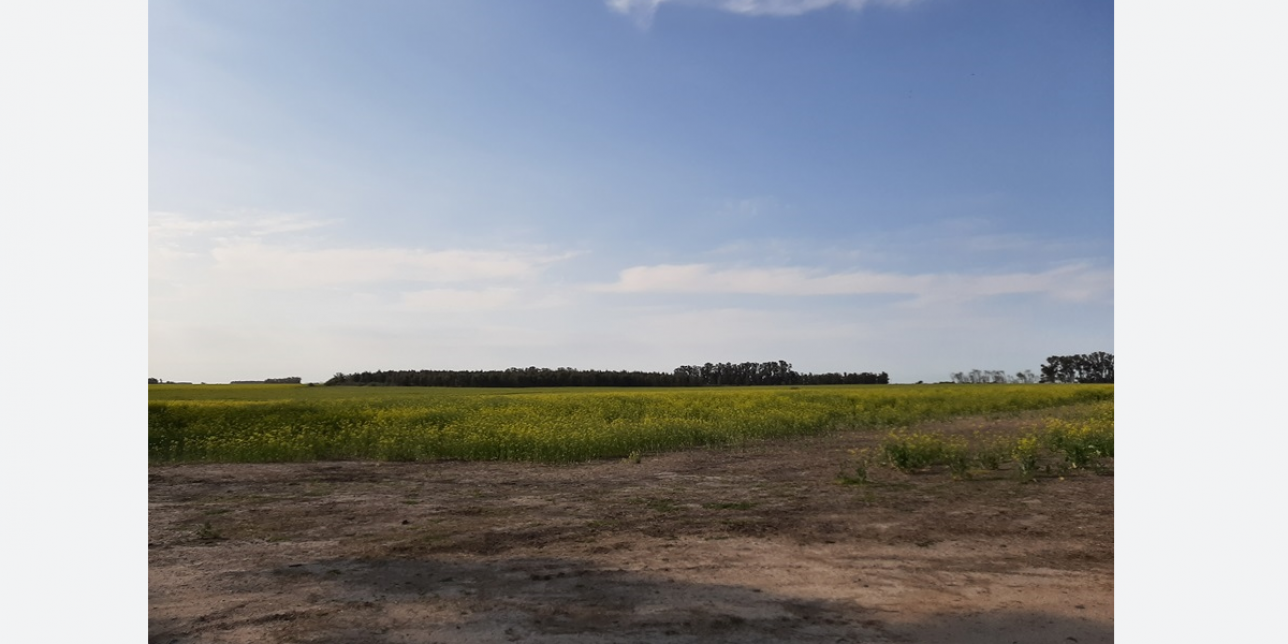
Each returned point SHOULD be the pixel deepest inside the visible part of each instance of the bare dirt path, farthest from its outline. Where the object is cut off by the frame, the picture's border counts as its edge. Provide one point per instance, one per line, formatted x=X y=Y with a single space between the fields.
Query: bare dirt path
x=752 y=544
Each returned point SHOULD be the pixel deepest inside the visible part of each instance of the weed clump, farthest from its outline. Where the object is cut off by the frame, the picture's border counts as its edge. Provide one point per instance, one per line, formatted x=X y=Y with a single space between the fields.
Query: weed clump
x=863 y=461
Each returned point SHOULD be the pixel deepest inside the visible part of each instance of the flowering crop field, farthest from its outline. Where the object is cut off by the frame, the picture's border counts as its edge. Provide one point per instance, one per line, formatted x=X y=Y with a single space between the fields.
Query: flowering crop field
x=265 y=423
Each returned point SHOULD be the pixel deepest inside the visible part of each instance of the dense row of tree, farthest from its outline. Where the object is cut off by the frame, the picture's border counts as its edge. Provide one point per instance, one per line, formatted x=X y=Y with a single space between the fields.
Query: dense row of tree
x=769 y=373
x=512 y=377
x=725 y=373
x=1083 y=367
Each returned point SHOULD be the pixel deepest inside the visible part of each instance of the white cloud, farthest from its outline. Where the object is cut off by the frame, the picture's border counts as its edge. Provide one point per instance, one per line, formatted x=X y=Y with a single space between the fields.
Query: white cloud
x=264 y=265
x=259 y=252
x=1077 y=282
x=642 y=11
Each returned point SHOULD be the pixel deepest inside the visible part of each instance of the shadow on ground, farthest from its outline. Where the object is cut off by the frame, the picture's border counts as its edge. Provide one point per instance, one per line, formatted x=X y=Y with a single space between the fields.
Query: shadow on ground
x=546 y=600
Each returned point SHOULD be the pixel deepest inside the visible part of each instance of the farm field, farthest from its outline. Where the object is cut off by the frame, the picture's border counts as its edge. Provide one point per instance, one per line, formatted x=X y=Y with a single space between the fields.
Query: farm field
x=829 y=531
x=266 y=423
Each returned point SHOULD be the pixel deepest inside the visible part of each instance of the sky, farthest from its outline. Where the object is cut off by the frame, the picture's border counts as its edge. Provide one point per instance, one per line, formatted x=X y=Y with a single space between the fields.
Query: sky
x=912 y=186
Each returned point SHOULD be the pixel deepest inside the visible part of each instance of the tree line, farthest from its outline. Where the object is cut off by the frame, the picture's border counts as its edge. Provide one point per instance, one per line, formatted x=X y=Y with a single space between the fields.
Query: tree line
x=976 y=376
x=1096 y=367
x=709 y=374
x=1082 y=367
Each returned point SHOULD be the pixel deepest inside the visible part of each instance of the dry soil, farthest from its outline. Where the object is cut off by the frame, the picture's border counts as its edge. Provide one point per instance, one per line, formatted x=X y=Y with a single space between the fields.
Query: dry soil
x=758 y=543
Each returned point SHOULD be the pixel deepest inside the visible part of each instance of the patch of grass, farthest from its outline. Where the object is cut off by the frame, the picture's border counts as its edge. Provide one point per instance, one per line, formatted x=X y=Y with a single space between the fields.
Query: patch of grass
x=208 y=532
x=862 y=462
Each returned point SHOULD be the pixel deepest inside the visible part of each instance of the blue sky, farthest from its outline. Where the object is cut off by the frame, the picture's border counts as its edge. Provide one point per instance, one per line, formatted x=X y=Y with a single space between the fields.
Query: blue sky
x=913 y=187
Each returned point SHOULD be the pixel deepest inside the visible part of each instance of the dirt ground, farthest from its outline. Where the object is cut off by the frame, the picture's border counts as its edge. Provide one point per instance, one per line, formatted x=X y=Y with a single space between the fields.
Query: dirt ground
x=751 y=544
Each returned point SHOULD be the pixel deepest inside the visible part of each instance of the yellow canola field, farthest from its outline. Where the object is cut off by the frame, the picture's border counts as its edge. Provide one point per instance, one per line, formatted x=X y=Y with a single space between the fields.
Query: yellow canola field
x=264 y=423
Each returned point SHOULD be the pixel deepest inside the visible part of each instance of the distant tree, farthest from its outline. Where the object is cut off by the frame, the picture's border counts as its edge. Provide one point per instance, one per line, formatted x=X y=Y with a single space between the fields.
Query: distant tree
x=725 y=373
x=1097 y=367
x=992 y=376
x=153 y=381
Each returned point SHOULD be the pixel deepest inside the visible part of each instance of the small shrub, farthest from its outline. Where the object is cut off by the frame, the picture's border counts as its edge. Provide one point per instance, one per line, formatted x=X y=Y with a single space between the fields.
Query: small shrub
x=862 y=462
x=907 y=452
x=1026 y=453
x=991 y=452
x=959 y=458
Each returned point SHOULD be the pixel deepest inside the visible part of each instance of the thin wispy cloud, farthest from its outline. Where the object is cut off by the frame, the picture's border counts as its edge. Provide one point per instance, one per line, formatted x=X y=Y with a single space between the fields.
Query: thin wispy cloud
x=1078 y=282
x=260 y=253
x=269 y=266
x=642 y=11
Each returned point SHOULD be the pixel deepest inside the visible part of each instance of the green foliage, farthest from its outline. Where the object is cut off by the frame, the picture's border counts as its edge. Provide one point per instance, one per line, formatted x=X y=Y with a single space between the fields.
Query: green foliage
x=263 y=423
x=992 y=451
x=1082 y=440
x=912 y=451
x=907 y=452
x=959 y=458
x=1025 y=453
